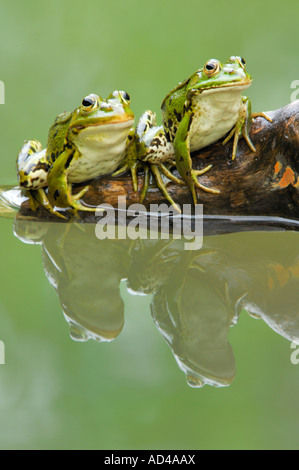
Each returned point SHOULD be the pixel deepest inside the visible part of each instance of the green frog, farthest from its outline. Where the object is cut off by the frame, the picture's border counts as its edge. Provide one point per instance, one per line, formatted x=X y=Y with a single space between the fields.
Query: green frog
x=206 y=107
x=89 y=142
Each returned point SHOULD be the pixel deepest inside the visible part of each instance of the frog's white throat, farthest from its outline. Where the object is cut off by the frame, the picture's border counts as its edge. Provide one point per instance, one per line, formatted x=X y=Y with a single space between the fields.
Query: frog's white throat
x=101 y=150
x=216 y=111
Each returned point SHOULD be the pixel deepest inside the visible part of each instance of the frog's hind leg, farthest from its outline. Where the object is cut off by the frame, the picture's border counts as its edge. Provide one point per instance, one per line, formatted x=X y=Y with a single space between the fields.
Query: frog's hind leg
x=161 y=185
x=157 y=169
x=38 y=198
x=33 y=169
x=60 y=191
x=184 y=162
x=32 y=165
x=161 y=155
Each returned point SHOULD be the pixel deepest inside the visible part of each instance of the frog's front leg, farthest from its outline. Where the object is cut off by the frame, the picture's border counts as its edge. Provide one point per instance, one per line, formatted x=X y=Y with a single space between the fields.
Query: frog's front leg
x=59 y=190
x=184 y=162
x=243 y=125
x=131 y=159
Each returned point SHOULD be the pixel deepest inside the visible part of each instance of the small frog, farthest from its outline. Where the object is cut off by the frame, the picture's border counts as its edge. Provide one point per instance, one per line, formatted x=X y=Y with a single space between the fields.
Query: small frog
x=148 y=147
x=205 y=108
x=89 y=142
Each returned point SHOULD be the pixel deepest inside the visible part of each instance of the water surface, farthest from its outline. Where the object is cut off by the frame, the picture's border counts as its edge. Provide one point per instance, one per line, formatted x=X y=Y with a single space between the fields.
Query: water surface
x=102 y=333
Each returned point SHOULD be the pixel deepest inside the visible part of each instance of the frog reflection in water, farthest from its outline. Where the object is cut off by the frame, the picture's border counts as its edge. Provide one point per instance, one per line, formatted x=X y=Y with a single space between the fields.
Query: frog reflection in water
x=195 y=296
x=83 y=144
x=201 y=110
x=86 y=274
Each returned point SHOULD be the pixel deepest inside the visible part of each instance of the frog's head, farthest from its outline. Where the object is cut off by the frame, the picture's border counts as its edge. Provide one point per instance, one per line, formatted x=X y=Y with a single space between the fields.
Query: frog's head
x=217 y=76
x=95 y=111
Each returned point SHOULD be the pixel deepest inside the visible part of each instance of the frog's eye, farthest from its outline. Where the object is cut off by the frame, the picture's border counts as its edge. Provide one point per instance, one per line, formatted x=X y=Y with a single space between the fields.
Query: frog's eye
x=211 y=67
x=241 y=61
x=125 y=96
x=122 y=96
x=88 y=103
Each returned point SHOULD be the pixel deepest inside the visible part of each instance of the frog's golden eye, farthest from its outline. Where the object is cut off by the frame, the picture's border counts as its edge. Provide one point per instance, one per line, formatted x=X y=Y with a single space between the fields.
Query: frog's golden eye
x=122 y=96
x=212 y=67
x=241 y=61
x=125 y=96
x=88 y=103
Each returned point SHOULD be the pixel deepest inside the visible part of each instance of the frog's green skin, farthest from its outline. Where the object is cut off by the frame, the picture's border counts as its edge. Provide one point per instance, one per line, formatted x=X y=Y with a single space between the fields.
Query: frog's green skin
x=88 y=142
x=198 y=112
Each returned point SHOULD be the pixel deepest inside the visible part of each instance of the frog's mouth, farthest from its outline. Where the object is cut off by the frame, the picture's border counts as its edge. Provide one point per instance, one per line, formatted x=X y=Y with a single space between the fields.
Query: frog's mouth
x=94 y=126
x=237 y=86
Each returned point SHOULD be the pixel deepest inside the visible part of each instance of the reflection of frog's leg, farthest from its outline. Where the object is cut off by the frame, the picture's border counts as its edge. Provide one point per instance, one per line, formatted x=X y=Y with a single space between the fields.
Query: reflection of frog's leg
x=184 y=162
x=131 y=160
x=60 y=191
x=242 y=126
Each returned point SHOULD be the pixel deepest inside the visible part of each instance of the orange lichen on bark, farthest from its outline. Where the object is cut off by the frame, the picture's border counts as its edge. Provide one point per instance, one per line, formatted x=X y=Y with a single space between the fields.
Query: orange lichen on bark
x=287 y=178
x=277 y=168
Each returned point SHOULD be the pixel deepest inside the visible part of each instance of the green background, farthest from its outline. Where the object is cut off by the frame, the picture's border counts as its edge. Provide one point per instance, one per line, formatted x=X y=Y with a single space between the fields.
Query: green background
x=130 y=394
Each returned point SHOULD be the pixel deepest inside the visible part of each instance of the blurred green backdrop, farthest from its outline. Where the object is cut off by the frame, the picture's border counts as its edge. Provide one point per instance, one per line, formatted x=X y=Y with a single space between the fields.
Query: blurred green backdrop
x=55 y=393
x=54 y=53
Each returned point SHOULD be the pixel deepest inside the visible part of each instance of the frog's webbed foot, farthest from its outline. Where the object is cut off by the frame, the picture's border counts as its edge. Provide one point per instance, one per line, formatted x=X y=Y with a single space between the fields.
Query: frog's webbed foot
x=262 y=114
x=60 y=190
x=196 y=173
x=242 y=126
x=192 y=182
x=76 y=205
x=38 y=198
x=64 y=198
